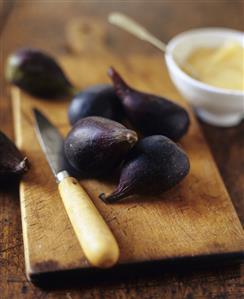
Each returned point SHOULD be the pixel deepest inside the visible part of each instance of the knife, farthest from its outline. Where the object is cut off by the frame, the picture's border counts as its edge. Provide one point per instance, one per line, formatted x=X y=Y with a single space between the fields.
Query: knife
x=94 y=235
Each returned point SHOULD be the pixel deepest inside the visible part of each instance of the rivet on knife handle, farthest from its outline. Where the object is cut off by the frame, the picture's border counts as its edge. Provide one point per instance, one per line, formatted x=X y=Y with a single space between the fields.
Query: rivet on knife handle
x=94 y=235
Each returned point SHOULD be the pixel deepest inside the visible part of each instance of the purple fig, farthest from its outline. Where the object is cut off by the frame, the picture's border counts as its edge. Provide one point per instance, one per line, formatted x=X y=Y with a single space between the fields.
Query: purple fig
x=155 y=164
x=38 y=74
x=96 y=146
x=151 y=114
x=97 y=100
x=12 y=163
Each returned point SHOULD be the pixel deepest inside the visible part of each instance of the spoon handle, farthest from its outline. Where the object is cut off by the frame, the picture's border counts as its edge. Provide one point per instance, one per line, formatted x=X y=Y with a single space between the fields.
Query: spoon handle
x=136 y=29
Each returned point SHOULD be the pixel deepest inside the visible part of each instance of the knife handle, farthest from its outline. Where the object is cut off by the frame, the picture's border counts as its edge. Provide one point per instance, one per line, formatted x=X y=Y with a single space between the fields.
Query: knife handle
x=94 y=235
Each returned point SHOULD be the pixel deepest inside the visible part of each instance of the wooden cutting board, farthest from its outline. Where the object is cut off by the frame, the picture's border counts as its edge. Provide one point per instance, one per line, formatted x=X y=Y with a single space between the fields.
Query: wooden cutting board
x=194 y=220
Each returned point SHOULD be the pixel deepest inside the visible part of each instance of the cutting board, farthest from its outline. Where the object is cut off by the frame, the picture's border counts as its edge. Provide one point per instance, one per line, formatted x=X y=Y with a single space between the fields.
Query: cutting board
x=195 y=220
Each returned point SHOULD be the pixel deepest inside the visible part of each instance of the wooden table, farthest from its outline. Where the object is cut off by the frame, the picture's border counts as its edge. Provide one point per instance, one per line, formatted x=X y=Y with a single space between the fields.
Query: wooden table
x=41 y=24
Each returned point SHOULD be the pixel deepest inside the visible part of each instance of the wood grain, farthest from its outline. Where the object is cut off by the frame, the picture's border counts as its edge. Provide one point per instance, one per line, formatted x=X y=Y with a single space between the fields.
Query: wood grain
x=194 y=219
x=164 y=18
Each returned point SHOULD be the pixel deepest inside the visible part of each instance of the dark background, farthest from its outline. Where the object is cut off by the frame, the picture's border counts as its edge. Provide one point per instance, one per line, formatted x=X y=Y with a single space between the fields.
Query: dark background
x=42 y=24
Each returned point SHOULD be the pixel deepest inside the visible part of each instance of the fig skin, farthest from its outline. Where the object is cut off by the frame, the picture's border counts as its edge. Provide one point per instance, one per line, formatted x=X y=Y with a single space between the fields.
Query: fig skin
x=12 y=163
x=97 y=100
x=95 y=146
x=155 y=164
x=38 y=74
x=150 y=114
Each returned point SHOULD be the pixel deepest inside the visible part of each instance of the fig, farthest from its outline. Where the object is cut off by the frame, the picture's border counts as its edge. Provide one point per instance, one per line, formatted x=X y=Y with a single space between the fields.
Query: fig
x=95 y=145
x=97 y=100
x=37 y=74
x=155 y=164
x=150 y=114
x=12 y=163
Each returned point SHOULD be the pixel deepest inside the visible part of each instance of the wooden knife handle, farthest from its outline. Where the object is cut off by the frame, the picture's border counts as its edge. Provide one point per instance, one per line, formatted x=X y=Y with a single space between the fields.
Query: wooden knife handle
x=94 y=235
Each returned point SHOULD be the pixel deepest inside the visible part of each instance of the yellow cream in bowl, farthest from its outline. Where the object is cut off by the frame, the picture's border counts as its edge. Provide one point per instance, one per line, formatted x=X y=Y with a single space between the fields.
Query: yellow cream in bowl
x=221 y=67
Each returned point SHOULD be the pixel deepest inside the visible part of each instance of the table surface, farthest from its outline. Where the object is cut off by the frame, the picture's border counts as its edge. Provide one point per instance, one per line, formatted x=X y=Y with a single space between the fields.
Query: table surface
x=42 y=24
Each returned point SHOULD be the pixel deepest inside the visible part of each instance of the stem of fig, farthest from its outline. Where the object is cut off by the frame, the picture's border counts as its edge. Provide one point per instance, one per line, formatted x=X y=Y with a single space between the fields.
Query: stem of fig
x=120 y=85
x=109 y=199
x=132 y=138
x=23 y=166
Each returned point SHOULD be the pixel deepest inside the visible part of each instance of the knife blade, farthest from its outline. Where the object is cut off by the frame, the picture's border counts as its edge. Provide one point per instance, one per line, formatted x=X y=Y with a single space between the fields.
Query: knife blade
x=51 y=142
x=95 y=237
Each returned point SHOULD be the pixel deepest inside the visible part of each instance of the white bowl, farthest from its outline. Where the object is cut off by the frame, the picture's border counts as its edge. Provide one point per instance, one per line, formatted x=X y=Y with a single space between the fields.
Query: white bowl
x=216 y=106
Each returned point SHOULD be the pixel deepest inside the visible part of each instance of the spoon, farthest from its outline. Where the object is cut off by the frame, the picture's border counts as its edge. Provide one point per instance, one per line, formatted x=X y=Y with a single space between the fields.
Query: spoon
x=142 y=33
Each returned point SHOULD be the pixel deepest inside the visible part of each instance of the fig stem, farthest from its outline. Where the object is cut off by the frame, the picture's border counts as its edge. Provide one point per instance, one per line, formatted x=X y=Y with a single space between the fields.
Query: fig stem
x=112 y=198
x=132 y=138
x=102 y=196
x=105 y=199
x=23 y=166
x=121 y=86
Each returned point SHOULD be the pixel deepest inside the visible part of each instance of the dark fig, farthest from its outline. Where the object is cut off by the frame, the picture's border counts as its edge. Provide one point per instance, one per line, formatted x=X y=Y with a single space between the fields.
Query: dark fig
x=96 y=145
x=151 y=114
x=12 y=163
x=97 y=100
x=155 y=164
x=38 y=74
